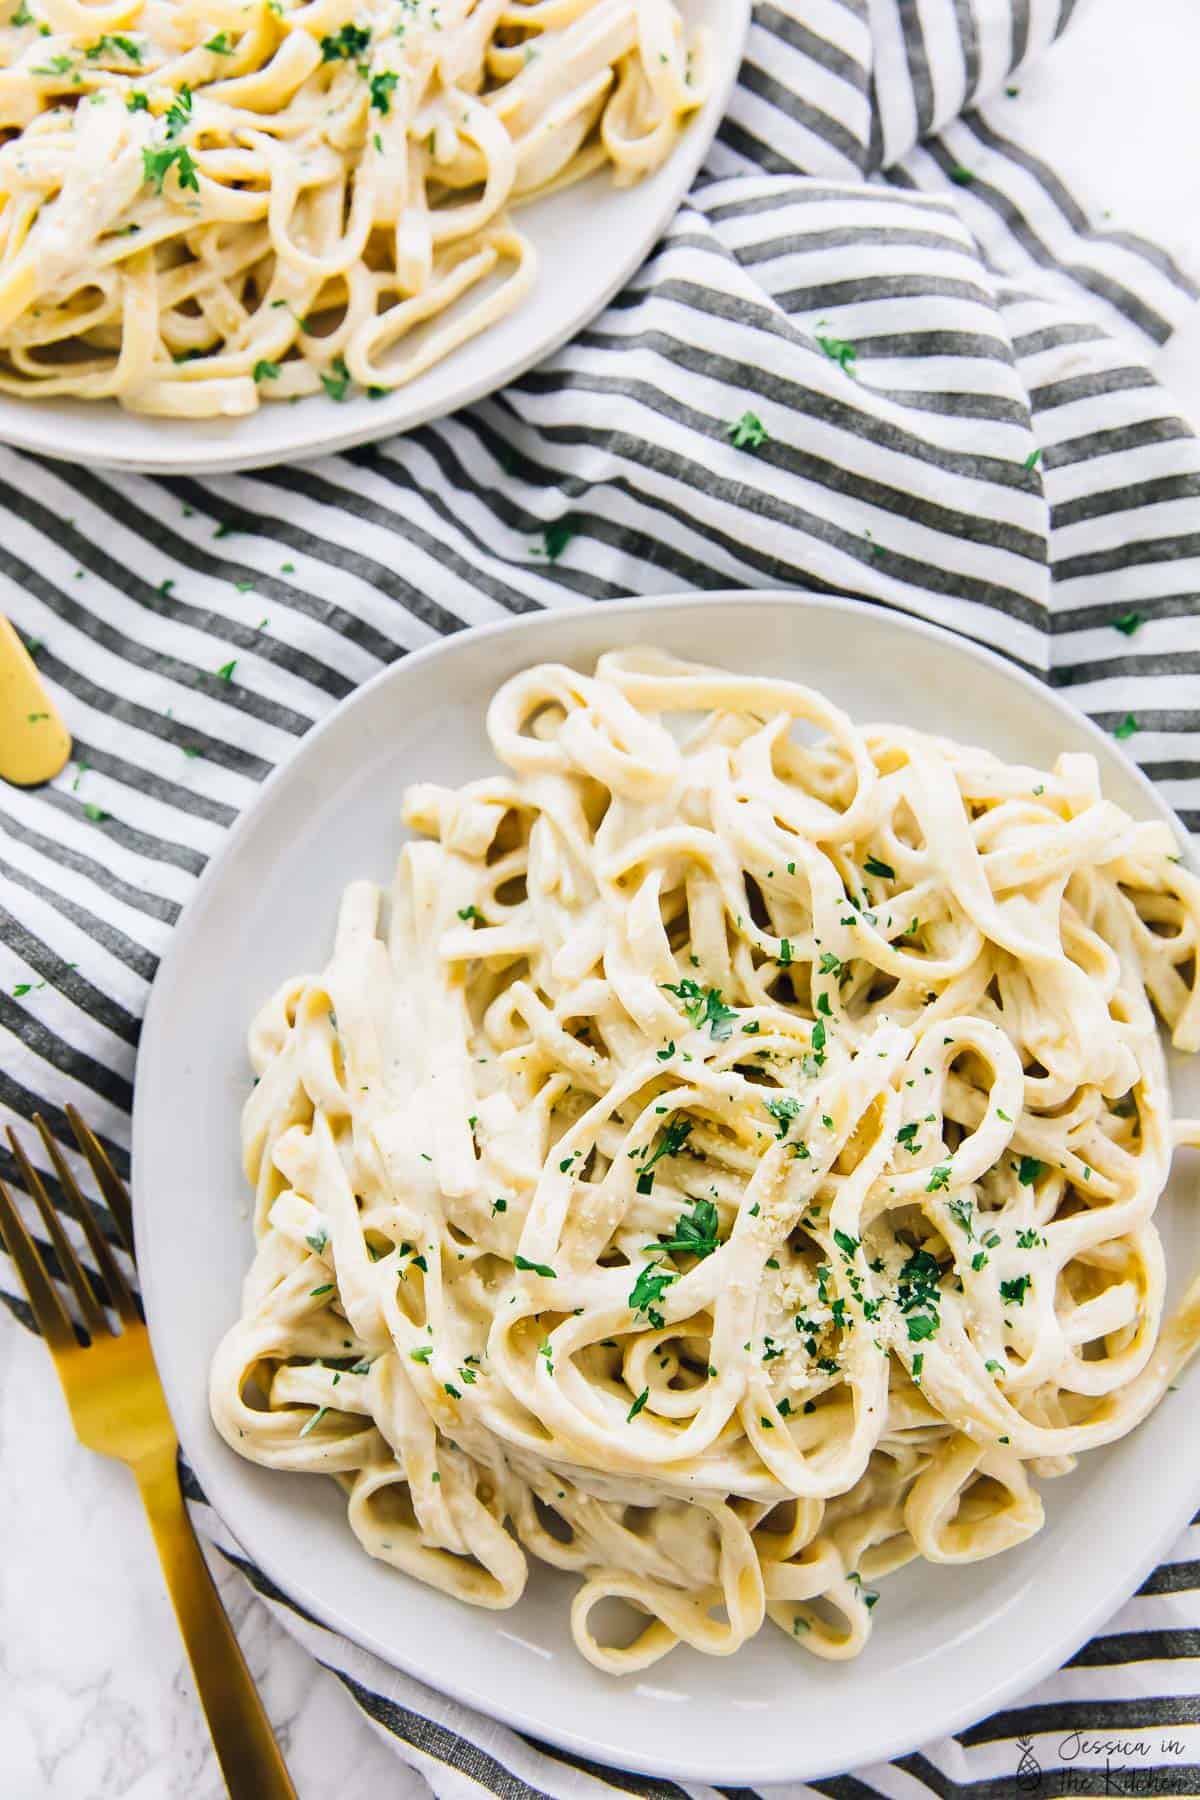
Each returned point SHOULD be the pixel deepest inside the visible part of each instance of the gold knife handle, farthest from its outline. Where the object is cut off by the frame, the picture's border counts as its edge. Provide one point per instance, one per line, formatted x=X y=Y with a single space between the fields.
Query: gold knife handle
x=34 y=744
x=241 y=1732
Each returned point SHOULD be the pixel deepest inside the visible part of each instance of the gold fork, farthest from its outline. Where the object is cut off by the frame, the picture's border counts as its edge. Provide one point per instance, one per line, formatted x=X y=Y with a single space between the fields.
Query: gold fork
x=117 y=1407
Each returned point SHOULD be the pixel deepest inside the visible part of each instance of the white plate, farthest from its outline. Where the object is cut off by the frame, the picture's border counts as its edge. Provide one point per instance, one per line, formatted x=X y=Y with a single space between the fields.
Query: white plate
x=950 y=1644
x=589 y=241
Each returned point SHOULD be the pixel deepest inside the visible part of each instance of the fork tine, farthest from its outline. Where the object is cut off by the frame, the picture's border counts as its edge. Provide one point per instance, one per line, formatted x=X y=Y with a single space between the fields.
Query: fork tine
x=48 y=1310
x=106 y=1262
x=109 y=1182
x=68 y=1262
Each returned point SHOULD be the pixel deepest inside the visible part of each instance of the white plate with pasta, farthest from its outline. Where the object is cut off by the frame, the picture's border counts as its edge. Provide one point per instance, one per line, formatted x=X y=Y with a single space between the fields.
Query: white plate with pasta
x=251 y=231
x=715 y=1150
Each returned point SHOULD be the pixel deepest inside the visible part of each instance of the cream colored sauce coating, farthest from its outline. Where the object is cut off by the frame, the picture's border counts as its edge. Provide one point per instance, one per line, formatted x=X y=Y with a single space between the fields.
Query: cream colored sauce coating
x=207 y=203
x=724 y=1166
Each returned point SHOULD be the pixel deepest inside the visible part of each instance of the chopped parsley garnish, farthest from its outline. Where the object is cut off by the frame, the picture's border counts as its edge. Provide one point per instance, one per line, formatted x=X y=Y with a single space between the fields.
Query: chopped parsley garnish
x=1127 y=727
x=179 y=111
x=839 y=351
x=557 y=536
x=470 y=912
x=266 y=371
x=812 y=1065
x=637 y=1406
x=156 y=163
x=695 y=1231
x=938 y=1178
x=704 y=1006
x=499 y=1206
x=884 y=871
x=1028 y=1170
x=422 y=1354
x=961 y=177
x=748 y=432
x=1014 y=1291
x=382 y=86
x=125 y=45
x=220 y=44
x=346 y=45
x=907 y=1135
x=918 y=1294
x=649 y=1288
x=1032 y=460
x=533 y=1268
x=667 y=1054
x=1128 y=623
x=314 y=1421
x=317 y=1240
x=1030 y=1240
x=785 y=951
x=960 y=1212
x=783 y=1109
x=675 y=1135
x=845 y=1243
x=830 y=964
x=336 y=379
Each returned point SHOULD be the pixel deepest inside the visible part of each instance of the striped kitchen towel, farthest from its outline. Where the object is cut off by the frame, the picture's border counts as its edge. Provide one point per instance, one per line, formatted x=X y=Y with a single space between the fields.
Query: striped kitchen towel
x=951 y=364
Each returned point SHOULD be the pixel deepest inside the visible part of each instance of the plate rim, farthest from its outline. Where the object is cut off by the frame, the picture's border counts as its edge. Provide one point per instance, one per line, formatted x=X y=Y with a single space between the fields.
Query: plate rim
x=745 y=1768
x=391 y=417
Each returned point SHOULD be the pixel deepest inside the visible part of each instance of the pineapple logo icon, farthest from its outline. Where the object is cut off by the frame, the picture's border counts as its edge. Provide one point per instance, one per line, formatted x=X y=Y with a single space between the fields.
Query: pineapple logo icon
x=1029 y=1770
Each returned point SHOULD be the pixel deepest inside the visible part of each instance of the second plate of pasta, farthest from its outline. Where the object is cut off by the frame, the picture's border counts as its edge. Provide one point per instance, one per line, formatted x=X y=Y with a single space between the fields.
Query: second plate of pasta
x=378 y=212
x=737 y=1156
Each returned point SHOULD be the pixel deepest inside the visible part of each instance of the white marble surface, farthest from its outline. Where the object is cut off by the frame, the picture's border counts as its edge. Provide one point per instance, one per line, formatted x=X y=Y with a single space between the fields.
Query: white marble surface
x=96 y=1701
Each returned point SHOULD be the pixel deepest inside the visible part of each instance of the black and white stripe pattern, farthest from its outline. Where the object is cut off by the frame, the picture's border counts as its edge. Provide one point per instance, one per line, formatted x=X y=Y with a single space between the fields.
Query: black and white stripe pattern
x=995 y=455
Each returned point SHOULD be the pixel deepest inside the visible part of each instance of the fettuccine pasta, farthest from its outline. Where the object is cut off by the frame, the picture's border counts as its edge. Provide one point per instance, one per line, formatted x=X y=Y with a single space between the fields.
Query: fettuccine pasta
x=205 y=203
x=725 y=1167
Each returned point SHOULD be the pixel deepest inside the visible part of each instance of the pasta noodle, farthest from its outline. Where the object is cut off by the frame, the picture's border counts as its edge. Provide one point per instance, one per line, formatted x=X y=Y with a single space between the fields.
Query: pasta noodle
x=731 y=1170
x=204 y=203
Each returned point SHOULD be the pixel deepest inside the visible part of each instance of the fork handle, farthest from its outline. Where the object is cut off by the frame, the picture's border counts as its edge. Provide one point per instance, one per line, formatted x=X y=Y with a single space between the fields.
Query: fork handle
x=241 y=1732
